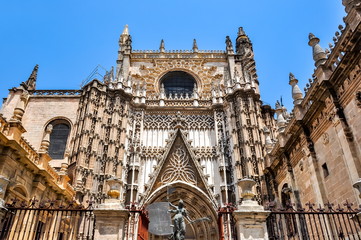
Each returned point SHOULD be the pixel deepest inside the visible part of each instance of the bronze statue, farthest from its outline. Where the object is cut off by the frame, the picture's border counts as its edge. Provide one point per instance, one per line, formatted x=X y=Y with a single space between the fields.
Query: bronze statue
x=179 y=223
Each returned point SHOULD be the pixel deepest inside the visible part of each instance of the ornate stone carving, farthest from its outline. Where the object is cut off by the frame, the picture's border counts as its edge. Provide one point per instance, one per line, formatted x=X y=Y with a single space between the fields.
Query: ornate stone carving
x=196 y=67
x=325 y=138
x=179 y=168
x=205 y=152
x=190 y=121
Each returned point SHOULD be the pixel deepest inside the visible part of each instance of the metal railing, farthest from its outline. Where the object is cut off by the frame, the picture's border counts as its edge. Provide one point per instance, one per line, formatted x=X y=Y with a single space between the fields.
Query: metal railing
x=328 y=222
x=47 y=220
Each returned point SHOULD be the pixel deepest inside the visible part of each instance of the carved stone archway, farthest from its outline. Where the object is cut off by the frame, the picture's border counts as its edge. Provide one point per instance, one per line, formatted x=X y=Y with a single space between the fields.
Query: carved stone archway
x=198 y=205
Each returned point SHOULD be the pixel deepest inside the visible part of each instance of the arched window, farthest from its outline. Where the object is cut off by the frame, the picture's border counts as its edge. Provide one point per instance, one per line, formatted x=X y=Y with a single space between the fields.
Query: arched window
x=58 y=138
x=285 y=195
x=178 y=82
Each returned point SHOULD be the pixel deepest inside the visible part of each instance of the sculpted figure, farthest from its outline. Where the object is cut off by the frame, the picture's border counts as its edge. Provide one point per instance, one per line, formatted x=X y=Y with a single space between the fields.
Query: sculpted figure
x=179 y=223
x=229 y=45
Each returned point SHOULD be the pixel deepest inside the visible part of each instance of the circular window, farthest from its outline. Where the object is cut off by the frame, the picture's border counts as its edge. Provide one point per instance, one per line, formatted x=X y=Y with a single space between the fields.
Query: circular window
x=178 y=82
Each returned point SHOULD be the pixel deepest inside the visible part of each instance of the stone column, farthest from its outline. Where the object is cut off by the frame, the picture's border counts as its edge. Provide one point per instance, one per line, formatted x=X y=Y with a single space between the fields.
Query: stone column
x=250 y=217
x=111 y=215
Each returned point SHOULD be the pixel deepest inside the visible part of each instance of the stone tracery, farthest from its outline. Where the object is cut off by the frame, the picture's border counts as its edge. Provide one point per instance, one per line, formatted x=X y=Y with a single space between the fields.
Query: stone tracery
x=179 y=168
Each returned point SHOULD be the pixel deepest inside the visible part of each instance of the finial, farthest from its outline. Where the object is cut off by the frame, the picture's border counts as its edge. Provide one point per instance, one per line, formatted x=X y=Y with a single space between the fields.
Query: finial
x=112 y=74
x=31 y=82
x=292 y=77
x=278 y=105
x=269 y=143
x=162 y=89
x=241 y=32
x=20 y=106
x=243 y=44
x=281 y=122
x=125 y=30
x=195 y=46
x=125 y=41
x=296 y=91
x=311 y=36
x=161 y=47
x=109 y=76
x=319 y=55
x=44 y=146
x=128 y=87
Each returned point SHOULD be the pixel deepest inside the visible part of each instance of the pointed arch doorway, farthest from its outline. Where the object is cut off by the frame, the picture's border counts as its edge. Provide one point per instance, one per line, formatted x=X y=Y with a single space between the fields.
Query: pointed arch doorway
x=179 y=170
x=198 y=205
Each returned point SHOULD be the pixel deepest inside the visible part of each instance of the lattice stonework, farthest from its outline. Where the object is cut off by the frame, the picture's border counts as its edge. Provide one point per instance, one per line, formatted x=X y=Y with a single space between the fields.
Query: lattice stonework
x=179 y=168
x=167 y=121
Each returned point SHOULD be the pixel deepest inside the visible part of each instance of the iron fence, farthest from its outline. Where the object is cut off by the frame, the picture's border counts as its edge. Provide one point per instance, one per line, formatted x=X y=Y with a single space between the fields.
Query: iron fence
x=328 y=222
x=50 y=220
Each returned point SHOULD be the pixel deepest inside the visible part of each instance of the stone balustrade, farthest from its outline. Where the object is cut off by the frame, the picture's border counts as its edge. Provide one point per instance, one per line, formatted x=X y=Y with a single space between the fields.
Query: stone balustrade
x=41 y=161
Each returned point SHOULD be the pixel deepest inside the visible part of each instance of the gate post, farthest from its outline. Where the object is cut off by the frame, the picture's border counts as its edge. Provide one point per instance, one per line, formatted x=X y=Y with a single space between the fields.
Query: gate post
x=250 y=217
x=111 y=215
x=110 y=220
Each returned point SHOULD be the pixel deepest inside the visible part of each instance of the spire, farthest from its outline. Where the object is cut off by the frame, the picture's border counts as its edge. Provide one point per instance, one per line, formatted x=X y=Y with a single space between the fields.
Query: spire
x=125 y=30
x=319 y=55
x=296 y=91
x=31 y=82
x=281 y=122
x=243 y=44
x=161 y=47
x=195 y=46
x=125 y=41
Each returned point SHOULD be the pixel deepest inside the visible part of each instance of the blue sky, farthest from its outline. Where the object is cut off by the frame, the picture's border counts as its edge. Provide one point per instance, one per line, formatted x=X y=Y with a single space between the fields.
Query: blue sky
x=68 y=39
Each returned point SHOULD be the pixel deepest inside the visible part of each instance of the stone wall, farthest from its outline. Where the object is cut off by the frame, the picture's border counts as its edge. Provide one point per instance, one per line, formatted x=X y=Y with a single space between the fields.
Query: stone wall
x=317 y=151
x=25 y=173
x=43 y=109
x=332 y=164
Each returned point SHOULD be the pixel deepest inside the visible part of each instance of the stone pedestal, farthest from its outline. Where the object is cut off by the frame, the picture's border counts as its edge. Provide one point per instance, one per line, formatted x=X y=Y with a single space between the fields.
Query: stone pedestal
x=110 y=220
x=251 y=221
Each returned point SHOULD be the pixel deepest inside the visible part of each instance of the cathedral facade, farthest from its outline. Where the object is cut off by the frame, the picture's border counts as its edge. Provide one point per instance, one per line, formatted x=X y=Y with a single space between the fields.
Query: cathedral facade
x=166 y=125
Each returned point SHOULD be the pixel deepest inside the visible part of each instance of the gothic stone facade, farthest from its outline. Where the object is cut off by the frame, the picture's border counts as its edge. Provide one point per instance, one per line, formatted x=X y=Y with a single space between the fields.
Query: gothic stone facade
x=316 y=157
x=189 y=125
